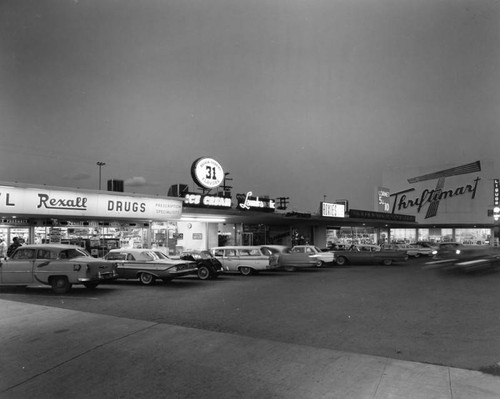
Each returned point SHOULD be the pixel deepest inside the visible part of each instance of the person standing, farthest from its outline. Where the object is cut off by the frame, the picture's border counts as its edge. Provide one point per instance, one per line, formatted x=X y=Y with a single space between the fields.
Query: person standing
x=3 y=248
x=12 y=247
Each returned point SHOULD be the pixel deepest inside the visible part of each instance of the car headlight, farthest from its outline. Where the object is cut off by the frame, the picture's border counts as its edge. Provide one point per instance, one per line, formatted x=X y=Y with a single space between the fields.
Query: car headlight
x=457 y=252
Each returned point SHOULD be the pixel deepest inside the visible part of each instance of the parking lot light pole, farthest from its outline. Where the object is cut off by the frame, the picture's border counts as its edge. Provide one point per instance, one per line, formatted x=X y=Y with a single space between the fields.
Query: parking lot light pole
x=100 y=164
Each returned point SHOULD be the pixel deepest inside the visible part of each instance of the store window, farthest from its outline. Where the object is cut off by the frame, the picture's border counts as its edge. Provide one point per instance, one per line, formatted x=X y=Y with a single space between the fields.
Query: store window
x=435 y=235
x=351 y=235
x=473 y=236
x=403 y=236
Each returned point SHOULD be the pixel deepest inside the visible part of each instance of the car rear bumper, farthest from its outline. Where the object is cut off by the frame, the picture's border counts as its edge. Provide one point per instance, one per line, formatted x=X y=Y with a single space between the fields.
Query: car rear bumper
x=102 y=276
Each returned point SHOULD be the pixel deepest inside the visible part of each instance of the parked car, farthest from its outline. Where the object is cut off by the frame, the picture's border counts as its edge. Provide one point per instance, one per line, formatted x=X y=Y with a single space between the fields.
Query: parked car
x=147 y=266
x=314 y=252
x=469 y=258
x=416 y=250
x=371 y=254
x=208 y=265
x=283 y=257
x=245 y=259
x=57 y=265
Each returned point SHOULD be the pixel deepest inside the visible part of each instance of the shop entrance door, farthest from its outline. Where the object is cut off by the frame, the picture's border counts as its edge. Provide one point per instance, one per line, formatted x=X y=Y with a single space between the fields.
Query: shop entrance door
x=247 y=239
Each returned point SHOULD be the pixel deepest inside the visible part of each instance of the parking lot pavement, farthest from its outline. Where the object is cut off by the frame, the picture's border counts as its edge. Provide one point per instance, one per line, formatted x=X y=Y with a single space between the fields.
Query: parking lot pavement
x=50 y=353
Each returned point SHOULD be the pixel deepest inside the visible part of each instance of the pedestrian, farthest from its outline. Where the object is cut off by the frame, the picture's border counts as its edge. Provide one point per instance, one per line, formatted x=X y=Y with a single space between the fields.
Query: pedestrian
x=3 y=248
x=12 y=247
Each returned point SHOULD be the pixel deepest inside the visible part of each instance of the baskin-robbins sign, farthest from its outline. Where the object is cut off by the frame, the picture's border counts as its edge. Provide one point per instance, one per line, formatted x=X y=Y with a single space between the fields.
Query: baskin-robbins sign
x=206 y=201
x=428 y=200
x=248 y=202
x=55 y=202
x=207 y=173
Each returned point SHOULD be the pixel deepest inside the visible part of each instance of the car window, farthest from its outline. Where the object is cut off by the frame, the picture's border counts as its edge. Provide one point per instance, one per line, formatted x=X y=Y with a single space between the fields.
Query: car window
x=130 y=257
x=24 y=253
x=116 y=256
x=71 y=253
x=161 y=255
x=46 y=254
x=149 y=255
x=270 y=251
x=252 y=252
x=230 y=252
x=249 y=252
x=219 y=252
x=205 y=255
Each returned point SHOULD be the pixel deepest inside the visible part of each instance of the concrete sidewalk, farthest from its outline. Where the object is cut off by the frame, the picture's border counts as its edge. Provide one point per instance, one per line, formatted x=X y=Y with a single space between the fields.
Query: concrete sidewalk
x=56 y=353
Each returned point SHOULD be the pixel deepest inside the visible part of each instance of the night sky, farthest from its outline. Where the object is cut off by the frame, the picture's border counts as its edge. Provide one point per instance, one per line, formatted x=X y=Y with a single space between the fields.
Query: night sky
x=297 y=98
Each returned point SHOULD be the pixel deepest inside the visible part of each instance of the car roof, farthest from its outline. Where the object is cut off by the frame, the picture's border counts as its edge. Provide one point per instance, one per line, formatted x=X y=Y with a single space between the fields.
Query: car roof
x=240 y=247
x=133 y=250
x=51 y=246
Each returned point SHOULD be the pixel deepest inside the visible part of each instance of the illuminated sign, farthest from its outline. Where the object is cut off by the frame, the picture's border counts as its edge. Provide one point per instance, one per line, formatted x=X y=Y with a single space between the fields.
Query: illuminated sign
x=207 y=173
x=496 y=199
x=383 y=200
x=206 y=201
x=332 y=210
x=48 y=202
x=433 y=197
x=249 y=202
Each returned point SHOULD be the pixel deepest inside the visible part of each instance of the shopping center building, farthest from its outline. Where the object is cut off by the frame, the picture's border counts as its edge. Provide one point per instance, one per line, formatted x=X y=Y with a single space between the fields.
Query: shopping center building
x=422 y=204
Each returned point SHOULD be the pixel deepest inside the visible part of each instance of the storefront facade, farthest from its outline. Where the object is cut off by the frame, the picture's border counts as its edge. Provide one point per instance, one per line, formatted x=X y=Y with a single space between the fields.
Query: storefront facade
x=96 y=220
x=449 y=203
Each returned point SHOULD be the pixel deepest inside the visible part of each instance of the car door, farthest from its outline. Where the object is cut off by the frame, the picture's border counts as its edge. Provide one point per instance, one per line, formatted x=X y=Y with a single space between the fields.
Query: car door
x=254 y=258
x=19 y=268
x=230 y=260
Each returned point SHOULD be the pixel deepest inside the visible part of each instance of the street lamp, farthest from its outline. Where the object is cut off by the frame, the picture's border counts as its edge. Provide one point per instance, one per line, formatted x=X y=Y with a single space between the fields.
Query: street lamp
x=100 y=164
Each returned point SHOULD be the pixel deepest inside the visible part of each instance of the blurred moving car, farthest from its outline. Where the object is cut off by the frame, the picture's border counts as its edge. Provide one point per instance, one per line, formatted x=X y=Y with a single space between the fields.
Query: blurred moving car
x=283 y=257
x=57 y=265
x=315 y=253
x=468 y=258
x=371 y=254
x=428 y=244
x=147 y=265
x=247 y=260
x=416 y=250
x=209 y=267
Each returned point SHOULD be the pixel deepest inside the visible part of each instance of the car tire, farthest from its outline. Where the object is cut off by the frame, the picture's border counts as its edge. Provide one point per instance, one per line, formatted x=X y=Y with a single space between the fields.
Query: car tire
x=203 y=273
x=60 y=284
x=246 y=271
x=146 y=279
x=289 y=268
x=417 y=255
x=341 y=260
x=320 y=263
x=91 y=286
x=387 y=262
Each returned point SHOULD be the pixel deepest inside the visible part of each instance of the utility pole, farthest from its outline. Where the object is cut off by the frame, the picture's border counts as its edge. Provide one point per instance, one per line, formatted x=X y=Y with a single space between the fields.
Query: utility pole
x=100 y=164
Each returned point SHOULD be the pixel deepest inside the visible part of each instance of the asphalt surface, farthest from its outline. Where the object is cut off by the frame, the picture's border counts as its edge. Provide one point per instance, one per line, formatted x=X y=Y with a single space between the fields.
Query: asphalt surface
x=51 y=352
x=334 y=333
x=401 y=312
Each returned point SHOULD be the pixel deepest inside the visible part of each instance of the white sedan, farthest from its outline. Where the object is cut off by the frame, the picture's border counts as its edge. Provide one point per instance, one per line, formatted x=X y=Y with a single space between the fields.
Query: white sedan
x=315 y=253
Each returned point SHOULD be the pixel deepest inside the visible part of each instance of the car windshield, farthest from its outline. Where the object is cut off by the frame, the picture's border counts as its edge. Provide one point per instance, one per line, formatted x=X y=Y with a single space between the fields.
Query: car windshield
x=205 y=255
x=148 y=255
x=72 y=253
x=161 y=255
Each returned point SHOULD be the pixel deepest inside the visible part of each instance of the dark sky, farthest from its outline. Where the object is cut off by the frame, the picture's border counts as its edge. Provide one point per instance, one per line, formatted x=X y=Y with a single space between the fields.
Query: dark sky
x=298 y=98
